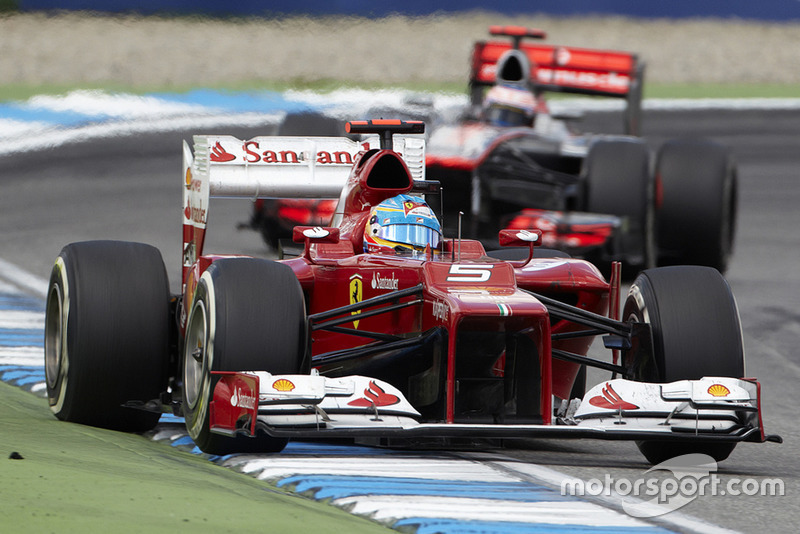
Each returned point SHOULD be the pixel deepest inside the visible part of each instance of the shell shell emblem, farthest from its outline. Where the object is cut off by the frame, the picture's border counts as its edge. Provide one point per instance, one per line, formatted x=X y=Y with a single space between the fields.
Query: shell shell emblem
x=283 y=385
x=718 y=390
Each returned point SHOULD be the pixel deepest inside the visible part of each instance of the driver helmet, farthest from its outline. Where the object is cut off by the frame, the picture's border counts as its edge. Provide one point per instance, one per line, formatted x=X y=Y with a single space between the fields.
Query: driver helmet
x=402 y=225
x=509 y=106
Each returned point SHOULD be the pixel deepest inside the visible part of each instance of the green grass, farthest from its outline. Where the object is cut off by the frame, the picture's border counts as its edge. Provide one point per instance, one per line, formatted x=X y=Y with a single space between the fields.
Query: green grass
x=74 y=478
x=17 y=92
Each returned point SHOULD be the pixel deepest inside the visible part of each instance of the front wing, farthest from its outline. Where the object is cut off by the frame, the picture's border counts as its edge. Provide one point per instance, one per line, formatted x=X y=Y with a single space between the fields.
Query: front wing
x=313 y=406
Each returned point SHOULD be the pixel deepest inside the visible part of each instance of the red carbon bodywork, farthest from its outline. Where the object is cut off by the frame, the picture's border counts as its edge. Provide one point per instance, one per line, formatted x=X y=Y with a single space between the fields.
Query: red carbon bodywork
x=463 y=290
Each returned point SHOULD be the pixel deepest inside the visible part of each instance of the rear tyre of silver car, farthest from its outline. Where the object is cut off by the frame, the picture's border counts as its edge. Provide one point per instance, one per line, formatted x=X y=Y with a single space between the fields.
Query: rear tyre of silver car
x=106 y=334
x=619 y=182
x=697 y=203
x=247 y=315
x=696 y=332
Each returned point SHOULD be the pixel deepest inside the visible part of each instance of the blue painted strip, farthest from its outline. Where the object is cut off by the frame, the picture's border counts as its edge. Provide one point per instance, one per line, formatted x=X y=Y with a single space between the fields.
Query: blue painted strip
x=22 y=368
x=10 y=367
x=22 y=374
x=185 y=440
x=337 y=487
x=14 y=301
x=31 y=380
x=321 y=448
x=453 y=526
x=27 y=342
x=21 y=337
x=26 y=113
x=170 y=418
x=20 y=332
x=262 y=101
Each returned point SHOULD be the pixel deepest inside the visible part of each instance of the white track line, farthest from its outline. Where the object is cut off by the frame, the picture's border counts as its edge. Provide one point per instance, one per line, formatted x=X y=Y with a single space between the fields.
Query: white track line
x=23 y=279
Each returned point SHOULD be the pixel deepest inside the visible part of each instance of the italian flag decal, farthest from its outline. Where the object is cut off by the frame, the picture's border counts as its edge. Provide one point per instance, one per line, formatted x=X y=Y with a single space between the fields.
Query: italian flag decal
x=505 y=310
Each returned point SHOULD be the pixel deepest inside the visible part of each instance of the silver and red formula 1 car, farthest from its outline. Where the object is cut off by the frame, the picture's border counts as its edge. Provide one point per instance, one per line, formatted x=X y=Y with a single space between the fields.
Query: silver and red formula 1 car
x=516 y=164
x=382 y=330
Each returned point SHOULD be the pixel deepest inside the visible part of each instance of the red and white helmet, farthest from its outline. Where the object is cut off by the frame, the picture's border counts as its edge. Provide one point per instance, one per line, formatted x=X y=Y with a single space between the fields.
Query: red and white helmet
x=505 y=105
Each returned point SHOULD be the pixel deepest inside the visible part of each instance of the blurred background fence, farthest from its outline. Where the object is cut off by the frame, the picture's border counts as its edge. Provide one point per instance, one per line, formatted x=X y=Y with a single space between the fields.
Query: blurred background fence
x=768 y=10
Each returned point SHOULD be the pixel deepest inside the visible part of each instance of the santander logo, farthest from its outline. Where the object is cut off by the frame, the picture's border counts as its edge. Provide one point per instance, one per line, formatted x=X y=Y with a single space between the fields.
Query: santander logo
x=240 y=399
x=374 y=395
x=611 y=400
x=220 y=155
x=384 y=282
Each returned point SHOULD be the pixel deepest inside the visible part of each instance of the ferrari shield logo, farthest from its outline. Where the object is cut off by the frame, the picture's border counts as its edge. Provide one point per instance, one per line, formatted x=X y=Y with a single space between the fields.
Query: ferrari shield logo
x=356 y=294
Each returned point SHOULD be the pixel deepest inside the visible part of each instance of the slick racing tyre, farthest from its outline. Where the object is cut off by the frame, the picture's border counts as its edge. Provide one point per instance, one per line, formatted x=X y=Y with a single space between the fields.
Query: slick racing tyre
x=247 y=315
x=696 y=204
x=107 y=334
x=618 y=182
x=696 y=332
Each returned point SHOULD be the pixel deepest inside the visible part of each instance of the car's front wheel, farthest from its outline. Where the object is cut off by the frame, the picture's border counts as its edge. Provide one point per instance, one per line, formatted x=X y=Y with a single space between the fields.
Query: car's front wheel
x=696 y=332
x=247 y=315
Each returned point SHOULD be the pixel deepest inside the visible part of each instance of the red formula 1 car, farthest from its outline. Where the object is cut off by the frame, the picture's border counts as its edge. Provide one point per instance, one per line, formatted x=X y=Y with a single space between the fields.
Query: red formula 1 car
x=383 y=330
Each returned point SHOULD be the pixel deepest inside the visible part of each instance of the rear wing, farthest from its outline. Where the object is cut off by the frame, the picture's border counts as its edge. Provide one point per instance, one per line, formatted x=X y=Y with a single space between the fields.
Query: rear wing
x=567 y=70
x=273 y=167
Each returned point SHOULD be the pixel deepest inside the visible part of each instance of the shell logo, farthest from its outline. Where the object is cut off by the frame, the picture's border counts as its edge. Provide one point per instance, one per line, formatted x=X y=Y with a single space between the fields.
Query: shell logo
x=718 y=390
x=283 y=385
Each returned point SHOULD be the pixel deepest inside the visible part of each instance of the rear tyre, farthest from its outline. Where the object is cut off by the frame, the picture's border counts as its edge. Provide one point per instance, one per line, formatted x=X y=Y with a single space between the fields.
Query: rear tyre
x=619 y=182
x=106 y=334
x=696 y=333
x=696 y=206
x=248 y=315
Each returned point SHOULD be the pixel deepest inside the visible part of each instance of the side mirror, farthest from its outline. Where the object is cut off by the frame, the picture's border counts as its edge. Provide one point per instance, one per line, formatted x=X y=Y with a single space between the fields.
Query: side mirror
x=521 y=238
x=316 y=234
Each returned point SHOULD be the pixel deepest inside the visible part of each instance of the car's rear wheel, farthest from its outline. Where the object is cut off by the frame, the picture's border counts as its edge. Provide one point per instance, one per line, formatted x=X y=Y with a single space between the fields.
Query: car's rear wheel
x=619 y=182
x=696 y=333
x=247 y=315
x=106 y=334
x=696 y=205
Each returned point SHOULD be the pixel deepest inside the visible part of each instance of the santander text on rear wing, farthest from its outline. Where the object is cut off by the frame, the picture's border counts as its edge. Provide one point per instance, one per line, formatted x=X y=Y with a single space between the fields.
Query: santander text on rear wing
x=563 y=69
x=273 y=167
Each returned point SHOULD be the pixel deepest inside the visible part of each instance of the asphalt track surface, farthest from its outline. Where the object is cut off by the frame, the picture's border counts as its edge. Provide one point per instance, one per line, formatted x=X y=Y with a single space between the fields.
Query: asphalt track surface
x=128 y=188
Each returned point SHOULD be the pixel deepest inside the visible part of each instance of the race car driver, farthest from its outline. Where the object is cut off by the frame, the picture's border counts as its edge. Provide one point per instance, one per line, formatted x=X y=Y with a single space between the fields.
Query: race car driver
x=506 y=105
x=402 y=225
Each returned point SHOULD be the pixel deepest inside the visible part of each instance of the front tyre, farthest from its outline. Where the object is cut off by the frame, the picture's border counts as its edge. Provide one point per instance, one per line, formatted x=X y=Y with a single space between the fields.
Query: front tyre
x=106 y=334
x=247 y=315
x=696 y=332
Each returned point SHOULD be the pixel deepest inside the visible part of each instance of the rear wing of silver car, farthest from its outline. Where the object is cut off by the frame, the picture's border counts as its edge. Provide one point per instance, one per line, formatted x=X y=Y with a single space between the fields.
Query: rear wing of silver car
x=564 y=69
